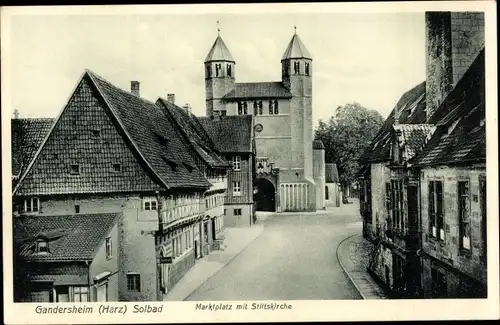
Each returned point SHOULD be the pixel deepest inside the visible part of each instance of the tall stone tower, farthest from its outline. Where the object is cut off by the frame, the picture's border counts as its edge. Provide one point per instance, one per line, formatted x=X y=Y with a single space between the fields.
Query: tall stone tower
x=297 y=78
x=219 y=76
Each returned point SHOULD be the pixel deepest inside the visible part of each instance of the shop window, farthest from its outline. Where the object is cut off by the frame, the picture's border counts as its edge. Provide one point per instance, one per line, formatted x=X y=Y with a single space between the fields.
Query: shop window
x=80 y=294
x=133 y=282
x=436 y=216
x=464 y=214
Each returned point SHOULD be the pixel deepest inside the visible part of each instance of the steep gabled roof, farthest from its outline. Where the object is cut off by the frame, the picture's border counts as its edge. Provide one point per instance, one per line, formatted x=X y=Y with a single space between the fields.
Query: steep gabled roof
x=460 y=119
x=27 y=134
x=231 y=134
x=147 y=132
x=70 y=237
x=296 y=50
x=411 y=108
x=219 y=52
x=255 y=90
x=194 y=133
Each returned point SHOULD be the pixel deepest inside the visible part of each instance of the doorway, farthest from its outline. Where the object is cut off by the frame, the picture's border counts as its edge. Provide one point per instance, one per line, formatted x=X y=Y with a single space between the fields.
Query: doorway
x=265 y=198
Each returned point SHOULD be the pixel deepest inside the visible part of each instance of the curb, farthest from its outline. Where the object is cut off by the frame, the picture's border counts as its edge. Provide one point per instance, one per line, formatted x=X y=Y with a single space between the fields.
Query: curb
x=344 y=268
x=223 y=266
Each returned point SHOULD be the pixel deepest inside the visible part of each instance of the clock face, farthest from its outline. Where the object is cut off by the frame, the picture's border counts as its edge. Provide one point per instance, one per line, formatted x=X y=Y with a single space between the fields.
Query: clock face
x=258 y=128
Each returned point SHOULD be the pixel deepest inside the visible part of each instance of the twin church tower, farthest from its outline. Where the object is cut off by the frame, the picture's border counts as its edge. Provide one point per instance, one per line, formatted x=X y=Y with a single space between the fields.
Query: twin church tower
x=283 y=126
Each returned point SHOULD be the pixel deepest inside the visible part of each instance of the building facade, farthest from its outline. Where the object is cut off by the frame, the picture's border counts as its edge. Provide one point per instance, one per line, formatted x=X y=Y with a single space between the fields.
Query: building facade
x=282 y=122
x=411 y=178
x=333 y=193
x=95 y=159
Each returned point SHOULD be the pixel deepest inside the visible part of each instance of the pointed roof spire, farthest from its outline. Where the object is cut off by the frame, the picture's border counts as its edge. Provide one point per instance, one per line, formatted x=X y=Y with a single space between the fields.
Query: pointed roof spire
x=296 y=49
x=219 y=51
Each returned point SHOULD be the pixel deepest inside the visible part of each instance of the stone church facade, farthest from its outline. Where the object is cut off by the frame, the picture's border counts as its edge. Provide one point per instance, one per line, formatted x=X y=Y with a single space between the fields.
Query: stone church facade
x=289 y=168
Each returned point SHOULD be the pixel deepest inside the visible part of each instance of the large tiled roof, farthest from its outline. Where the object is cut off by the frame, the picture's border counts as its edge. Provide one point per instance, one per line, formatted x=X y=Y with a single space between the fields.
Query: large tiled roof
x=264 y=90
x=27 y=134
x=194 y=133
x=231 y=134
x=136 y=133
x=296 y=50
x=413 y=138
x=331 y=173
x=219 y=52
x=460 y=119
x=70 y=237
x=411 y=108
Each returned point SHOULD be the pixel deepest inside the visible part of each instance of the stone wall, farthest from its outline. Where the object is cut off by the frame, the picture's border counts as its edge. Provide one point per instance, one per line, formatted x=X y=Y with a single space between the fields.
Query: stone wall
x=448 y=251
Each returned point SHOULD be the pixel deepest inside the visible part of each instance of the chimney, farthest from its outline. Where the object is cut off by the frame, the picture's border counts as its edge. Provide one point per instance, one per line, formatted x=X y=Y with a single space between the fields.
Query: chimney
x=187 y=107
x=171 y=98
x=216 y=116
x=134 y=88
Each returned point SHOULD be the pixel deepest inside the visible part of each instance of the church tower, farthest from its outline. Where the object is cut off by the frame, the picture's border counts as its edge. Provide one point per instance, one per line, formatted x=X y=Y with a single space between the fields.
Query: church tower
x=296 y=66
x=219 y=77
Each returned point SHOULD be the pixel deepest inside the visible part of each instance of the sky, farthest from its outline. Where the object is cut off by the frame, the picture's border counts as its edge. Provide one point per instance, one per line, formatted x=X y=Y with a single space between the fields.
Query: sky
x=367 y=58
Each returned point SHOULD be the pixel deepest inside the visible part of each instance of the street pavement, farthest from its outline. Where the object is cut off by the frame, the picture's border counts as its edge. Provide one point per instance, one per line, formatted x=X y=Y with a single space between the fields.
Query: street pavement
x=293 y=259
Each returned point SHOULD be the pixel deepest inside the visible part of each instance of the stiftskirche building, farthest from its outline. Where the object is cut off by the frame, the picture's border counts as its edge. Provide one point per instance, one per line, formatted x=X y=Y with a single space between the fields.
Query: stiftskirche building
x=286 y=167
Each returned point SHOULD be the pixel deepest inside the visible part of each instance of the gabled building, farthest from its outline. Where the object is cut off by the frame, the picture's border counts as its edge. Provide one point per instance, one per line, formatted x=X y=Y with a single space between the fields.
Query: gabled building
x=282 y=122
x=111 y=151
x=209 y=160
x=453 y=193
x=68 y=258
x=333 y=194
x=233 y=137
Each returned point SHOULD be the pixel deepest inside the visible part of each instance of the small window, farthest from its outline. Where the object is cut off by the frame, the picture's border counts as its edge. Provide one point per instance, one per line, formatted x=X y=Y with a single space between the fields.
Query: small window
x=260 y=108
x=75 y=169
x=42 y=246
x=117 y=167
x=464 y=215
x=224 y=211
x=271 y=107
x=237 y=162
x=245 y=108
x=307 y=68
x=240 y=108
x=109 y=253
x=229 y=72
x=223 y=113
x=31 y=205
x=236 y=189
x=150 y=204
x=276 y=110
x=77 y=208
x=237 y=212
x=96 y=133
x=134 y=282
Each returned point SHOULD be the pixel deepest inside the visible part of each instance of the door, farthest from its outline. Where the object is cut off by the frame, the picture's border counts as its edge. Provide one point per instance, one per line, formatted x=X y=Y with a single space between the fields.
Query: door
x=102 y=292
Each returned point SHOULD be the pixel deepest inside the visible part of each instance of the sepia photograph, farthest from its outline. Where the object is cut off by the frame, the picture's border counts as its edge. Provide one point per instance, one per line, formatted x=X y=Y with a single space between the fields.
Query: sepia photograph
x=245 y=160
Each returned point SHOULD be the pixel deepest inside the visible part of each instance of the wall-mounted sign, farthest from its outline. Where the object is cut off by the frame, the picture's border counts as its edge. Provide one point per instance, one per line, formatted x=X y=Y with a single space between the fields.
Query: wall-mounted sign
x=258 y=128
x=166 y=260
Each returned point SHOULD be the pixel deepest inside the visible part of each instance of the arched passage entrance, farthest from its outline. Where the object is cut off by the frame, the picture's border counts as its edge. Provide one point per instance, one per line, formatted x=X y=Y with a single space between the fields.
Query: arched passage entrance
x=265 y=198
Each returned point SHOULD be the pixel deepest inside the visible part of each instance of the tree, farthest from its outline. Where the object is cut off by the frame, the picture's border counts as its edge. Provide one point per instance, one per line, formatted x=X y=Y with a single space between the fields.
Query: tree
x=346 y=136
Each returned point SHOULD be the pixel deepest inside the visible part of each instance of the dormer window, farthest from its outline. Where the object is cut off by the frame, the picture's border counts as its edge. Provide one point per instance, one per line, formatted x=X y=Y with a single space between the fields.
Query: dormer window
x=31 y=205
x=117 y=167
x=42 y=246
x=96 y=133
x=74 y=169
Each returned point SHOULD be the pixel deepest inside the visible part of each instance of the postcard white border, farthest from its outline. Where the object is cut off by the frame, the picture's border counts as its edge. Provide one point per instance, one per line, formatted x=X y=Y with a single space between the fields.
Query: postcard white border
x=312 y=310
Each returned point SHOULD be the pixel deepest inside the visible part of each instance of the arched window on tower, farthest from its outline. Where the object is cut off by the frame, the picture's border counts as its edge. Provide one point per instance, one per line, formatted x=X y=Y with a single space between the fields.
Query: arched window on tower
x=229 y=72
x=245 y=108
x=271 y=107
x=307 y=68
x=276 y=110
x=217 y=70
x=240 y=108
x=260 y=108
x=208 y=71
x=255 y=106
x=296 y=67
x=327 y=195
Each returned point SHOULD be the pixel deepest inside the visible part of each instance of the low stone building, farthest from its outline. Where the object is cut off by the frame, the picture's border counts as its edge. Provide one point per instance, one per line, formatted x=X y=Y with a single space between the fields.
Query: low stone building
x=67 y=258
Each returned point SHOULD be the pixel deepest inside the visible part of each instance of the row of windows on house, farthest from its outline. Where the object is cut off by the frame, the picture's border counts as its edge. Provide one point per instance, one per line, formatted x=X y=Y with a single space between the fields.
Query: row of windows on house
x=258 y=107
x=214 y=200
x=396 y=200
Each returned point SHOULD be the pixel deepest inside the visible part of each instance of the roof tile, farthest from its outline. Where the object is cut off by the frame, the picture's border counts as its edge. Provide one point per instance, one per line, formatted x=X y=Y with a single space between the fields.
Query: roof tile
x=264 y=90
x=231 y=134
